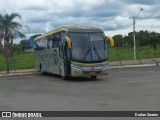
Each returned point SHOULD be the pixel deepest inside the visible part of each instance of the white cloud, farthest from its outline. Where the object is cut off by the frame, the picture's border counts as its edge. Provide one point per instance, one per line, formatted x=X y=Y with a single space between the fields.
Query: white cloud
x=48 y=27
x=114 y=17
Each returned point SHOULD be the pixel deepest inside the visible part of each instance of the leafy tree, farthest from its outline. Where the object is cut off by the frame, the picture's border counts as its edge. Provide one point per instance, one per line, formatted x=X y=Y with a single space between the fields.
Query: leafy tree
x=17 y=48
x=118 y=40
x=142 y=38
x=25 y=46
x=130 y=39
x=9 y=29
x=154 y=39
x=126 y=41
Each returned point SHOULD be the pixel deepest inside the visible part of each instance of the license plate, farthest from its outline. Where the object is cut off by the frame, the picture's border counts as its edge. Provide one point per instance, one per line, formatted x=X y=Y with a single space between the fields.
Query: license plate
x=92 y=73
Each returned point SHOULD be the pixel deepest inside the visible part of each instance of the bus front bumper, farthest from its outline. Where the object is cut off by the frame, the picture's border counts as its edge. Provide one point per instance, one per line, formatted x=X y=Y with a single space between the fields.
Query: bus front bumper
x=79 y=70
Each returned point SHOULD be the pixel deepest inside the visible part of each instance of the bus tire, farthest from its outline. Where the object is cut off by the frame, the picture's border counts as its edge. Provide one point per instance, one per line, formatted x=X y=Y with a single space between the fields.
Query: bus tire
x=64 y=77
x=93 y=77
x=41 y=69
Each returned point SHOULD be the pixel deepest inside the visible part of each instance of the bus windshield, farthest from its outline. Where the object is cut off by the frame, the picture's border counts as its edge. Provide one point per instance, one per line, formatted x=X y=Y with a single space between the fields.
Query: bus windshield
x=88 y=47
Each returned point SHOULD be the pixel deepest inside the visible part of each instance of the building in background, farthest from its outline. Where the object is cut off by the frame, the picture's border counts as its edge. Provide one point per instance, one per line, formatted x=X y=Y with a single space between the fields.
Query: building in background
x=27 y=45
x=30 y=42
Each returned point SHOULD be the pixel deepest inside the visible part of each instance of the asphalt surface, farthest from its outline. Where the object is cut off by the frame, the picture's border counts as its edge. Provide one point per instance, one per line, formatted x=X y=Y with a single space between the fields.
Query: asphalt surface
x=129 y=89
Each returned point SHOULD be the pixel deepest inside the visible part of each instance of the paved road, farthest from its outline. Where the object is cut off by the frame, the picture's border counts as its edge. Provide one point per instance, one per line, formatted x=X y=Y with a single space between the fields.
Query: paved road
x=123 y=89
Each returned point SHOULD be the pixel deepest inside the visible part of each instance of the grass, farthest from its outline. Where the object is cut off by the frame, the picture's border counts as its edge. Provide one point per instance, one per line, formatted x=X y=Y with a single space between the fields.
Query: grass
x=26 y=60
x=18 y=61
x=126 y=53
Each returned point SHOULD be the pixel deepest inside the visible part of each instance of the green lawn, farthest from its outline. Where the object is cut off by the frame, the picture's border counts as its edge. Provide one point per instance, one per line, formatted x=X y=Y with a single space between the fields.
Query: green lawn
x=126 y=53
x=19 y=61
x=26 y=60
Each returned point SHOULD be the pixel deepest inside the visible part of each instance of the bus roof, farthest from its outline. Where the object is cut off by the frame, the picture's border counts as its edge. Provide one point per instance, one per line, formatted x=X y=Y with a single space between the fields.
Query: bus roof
x=82 y=28
x=51 y=32
x=73 y=28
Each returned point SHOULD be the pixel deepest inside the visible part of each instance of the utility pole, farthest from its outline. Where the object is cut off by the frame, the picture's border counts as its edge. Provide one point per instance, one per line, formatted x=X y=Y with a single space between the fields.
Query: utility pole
x=134 y=34
x=134 y=39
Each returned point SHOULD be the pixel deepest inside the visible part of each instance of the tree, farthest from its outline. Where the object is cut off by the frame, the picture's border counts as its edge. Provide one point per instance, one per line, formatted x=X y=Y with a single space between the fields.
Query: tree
x=9 y=29
x=17 y=48
x=25 y=46
x=129 y=39
x=155 y=38
x=118 y=39
x=142 y=38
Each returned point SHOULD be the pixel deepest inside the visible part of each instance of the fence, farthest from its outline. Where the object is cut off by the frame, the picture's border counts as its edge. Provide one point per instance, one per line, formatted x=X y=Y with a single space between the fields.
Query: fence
x=18 y=61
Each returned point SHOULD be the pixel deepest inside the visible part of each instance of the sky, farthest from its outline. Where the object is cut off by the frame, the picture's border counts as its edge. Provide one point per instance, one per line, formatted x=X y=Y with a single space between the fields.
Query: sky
x=113 y=16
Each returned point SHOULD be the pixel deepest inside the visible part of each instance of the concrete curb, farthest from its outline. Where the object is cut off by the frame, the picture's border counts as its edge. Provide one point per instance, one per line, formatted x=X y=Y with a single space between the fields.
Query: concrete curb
x=133 y=66
x=18 y=73
x=15 y=74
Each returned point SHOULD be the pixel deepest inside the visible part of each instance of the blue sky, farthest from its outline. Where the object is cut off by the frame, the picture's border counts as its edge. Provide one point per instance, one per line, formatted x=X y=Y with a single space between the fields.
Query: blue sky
x=113 y=16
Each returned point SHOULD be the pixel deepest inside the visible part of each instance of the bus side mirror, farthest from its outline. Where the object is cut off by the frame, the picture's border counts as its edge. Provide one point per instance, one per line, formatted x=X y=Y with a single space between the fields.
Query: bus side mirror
x=111 y=41
x=69 y=42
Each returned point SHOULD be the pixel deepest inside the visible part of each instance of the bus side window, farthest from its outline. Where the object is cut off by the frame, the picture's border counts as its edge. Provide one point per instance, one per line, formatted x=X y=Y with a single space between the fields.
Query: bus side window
x=49 y=42
x=36 y=45
x=61 y=49
x=43 y=44
x=57 y=39
x=39 y=45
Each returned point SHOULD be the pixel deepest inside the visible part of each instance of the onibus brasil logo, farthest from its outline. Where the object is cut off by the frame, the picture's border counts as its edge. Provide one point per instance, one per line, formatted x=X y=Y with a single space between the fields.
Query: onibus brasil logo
x=21 y=114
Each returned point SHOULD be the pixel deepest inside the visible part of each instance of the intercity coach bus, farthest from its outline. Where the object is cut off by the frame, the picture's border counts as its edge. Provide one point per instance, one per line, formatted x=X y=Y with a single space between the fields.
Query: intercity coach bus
x=73 y=51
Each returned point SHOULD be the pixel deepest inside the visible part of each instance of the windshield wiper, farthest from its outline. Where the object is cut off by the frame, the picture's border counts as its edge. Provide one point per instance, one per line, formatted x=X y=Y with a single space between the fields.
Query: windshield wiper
x=95 y=49
x=87 y=53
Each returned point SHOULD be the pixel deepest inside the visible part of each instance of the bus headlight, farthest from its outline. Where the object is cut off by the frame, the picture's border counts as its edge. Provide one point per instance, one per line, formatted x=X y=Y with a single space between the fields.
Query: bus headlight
x=77 y=66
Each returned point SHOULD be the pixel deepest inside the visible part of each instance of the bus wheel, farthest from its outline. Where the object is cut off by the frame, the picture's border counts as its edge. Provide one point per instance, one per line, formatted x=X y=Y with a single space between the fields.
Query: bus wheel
x=64 y=77
x=93 y=77
x=41 y=69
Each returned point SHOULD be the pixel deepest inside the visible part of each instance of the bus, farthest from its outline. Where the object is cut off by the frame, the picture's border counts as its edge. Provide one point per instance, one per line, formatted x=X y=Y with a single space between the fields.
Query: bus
x=73 y=51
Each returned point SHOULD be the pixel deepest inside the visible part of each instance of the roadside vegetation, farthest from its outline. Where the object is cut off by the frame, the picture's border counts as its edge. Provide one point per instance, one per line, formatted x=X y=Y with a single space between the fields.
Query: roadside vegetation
x=26 y=60
x=147 y=44
x=9 y=29
x=18 y=61
x=126 y=53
